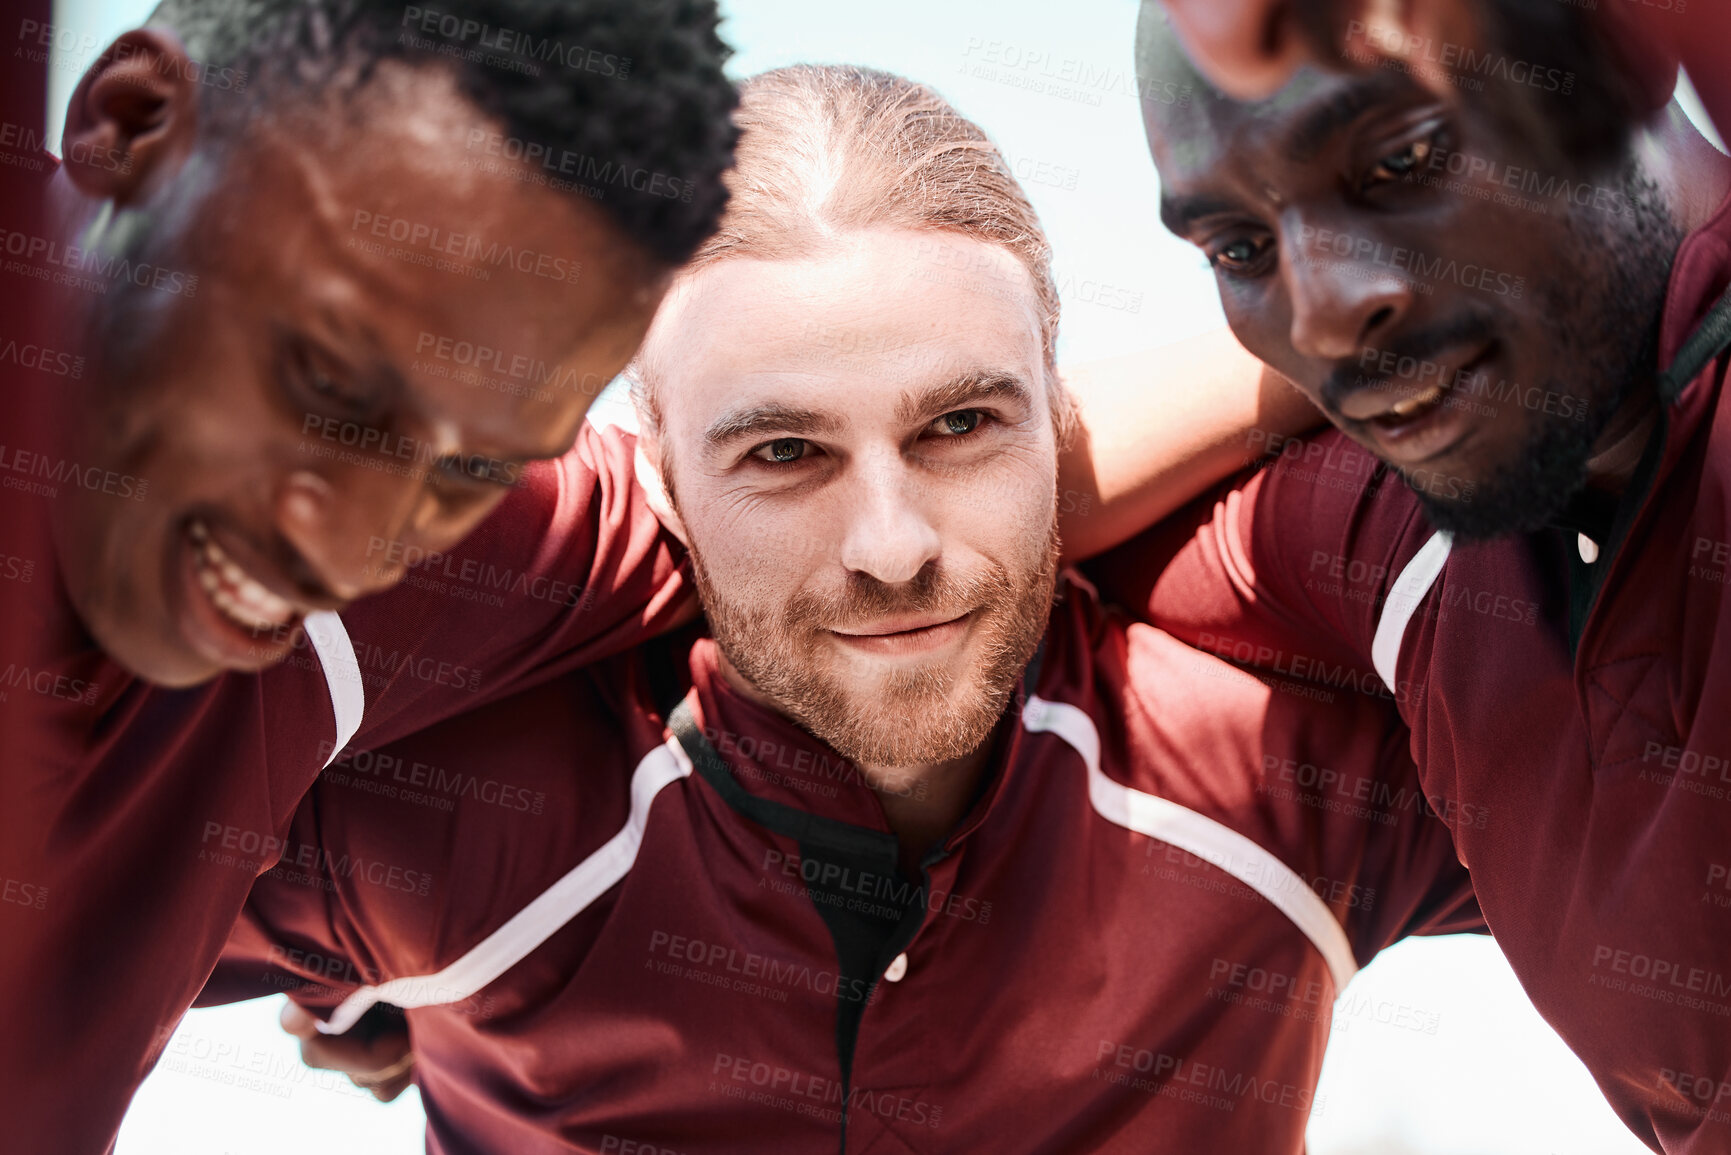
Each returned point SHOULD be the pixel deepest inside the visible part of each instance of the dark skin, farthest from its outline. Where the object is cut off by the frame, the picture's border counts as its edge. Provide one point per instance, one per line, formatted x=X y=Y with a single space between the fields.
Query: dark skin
x=1316 y=238
x=302 y=323
x=1252 y=48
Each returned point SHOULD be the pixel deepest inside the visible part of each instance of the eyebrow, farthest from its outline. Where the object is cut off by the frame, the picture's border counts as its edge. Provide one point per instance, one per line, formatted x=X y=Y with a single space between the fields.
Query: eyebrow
x=956 y=393
x=357 y=345
x=774 y=417
x=1318 y=125
x=1179 y=213
x=340 y=331
x=959 y=392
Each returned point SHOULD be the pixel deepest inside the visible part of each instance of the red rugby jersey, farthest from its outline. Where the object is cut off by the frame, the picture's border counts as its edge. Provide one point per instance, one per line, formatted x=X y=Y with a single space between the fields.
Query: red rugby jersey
x=1132 y=942
x=1572 y=722
x=133 y=820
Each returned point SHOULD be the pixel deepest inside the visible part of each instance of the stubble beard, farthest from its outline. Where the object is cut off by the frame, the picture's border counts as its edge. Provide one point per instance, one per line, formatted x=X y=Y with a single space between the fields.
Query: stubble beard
x=909 y=717
x=1607 y=321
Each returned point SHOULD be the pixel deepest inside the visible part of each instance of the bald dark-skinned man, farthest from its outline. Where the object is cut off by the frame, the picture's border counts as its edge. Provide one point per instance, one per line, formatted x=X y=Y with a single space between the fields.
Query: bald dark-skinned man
x=1517 y=532
x=1250 y=48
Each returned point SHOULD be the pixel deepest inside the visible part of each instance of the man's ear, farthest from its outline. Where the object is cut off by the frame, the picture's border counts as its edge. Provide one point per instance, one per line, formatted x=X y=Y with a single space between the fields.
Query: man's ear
x=133 y=118
x=648 y=466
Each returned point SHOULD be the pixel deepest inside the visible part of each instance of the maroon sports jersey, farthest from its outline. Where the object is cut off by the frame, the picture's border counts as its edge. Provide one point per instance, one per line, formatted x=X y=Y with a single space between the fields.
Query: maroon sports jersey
x=1132 y=942
x=1572 y=721
x=133 y=820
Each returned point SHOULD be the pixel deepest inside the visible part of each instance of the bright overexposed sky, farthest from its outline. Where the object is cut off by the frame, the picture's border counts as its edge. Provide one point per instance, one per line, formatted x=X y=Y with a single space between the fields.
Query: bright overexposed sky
x=1489 y=1079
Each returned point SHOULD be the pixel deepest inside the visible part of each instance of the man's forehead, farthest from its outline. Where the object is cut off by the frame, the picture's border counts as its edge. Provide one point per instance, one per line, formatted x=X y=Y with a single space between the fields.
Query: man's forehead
x=802 y=335
x=1292 y=127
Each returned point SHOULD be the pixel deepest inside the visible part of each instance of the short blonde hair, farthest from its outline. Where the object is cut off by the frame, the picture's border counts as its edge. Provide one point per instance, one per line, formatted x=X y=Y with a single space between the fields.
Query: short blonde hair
x=826 y=148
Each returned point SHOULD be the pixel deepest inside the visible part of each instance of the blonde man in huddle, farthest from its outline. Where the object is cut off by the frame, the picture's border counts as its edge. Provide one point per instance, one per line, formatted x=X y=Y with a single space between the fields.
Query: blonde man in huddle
x=915 y=847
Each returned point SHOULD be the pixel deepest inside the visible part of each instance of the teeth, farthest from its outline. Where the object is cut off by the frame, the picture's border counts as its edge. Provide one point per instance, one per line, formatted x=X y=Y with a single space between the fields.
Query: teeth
x=1413 y=405
x=242 y=599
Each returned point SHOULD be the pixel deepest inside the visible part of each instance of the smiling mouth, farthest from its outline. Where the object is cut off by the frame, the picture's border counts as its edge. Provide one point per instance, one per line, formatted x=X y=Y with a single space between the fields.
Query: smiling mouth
x=906 y=629
x=233 y=592
x=905 y=637
x=1412 y=408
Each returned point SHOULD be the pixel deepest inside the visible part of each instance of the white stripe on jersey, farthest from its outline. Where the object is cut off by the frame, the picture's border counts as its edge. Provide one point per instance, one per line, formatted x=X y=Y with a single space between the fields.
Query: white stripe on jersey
x=342 y=675
x=535 y=923
x=1408 y=591
x=1200 y=835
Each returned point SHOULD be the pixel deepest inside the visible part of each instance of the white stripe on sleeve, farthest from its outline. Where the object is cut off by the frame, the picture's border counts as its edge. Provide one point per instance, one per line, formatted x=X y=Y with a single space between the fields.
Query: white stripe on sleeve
x=535 y=923
x=1200 y=835
x=1403 y=600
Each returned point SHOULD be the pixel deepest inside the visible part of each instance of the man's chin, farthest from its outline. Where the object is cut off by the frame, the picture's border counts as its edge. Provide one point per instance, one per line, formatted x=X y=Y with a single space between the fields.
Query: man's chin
x=913 y=717
x=1514 y=497
x=167 y=662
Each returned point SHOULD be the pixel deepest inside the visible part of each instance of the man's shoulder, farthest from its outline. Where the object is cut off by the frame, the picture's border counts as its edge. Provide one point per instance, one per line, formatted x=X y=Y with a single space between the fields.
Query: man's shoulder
x=477 y=816
x=1311 y=489
x=1163 y=701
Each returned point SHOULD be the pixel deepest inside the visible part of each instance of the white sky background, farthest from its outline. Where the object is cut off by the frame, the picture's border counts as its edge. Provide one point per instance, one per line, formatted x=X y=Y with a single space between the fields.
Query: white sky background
x=1491 y=1080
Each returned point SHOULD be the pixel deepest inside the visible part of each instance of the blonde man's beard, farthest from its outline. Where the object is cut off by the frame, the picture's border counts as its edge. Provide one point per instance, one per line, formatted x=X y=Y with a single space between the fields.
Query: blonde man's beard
x=917 y=716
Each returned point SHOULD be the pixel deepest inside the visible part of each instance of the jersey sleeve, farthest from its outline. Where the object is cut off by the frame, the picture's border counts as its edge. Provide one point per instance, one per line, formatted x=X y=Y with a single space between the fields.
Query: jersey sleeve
x=295 y=936
x=1414 y=880
x=1285 y=569
x=573 y=566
